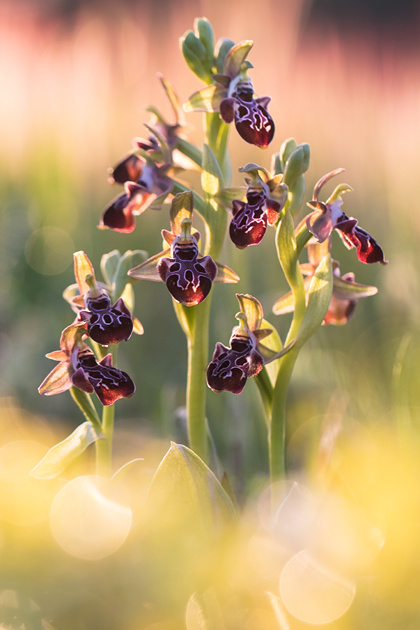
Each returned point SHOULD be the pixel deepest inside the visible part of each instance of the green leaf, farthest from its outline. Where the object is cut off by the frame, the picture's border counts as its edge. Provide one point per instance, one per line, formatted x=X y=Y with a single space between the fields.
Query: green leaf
x=190 y=150
x=274 y=343
x=195 y=55
x=60 y=456
x=184 y=490
x=236 y=57
x=120 y=279
x=286 y=249
x=109 y=264
x=320 y=291
x=211 y=177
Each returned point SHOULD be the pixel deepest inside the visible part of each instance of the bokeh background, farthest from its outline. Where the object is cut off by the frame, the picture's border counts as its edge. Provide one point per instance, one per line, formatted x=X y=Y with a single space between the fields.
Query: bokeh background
x=344 y=77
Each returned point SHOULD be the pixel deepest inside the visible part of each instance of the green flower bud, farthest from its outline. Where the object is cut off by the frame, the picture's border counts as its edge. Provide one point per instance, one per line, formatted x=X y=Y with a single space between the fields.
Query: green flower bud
x=195 y=55
x=286 y=151
x=297 y=164
x=205 y=34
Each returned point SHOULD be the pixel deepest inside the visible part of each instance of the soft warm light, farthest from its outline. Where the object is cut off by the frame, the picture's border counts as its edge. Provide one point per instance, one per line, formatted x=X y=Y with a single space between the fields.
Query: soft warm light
x=87 y=519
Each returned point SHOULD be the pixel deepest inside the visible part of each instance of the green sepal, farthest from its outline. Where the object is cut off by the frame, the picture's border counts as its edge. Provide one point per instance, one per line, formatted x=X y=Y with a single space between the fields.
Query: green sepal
x=254 y=169
x=199 y=203
x=252 y=309
x=148 y=270
x=338 y=191
x=225 y=274
x=206 y=100
x=129 y=259
x=60 y=456
x=181 y=208
x=286 y=304
x=319 y=298
x=204 y=30
x=351 y=290
x=286 y=249
x=225 y=196
x=185 y=490
x=194 y=54
x=236 y=57
x=222 y=48
x=297 y=164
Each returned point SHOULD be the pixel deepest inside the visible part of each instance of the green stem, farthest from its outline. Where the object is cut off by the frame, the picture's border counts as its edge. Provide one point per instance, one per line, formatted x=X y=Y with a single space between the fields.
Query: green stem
x=196 y=324
x=196 y=379
x=277 y=431
x=104 y=445
x=85 y=404
x=266 y=392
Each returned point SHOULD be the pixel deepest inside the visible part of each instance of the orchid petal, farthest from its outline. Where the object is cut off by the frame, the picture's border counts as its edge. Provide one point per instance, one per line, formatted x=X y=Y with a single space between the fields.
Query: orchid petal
x=181 y=208
x=83 y=269
x=236 y=57
x=206 y=100
x=225 y=274
x=148 y=270
x=57 y=381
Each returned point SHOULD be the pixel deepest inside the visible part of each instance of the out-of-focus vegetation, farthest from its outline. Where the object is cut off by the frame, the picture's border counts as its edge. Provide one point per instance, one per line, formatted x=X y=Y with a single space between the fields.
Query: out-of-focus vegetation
x=73 y=89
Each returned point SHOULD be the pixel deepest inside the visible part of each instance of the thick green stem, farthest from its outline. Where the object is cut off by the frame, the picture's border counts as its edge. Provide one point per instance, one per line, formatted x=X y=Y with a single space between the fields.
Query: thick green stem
x=85 y=404
x=196 y=383
x=104 y=445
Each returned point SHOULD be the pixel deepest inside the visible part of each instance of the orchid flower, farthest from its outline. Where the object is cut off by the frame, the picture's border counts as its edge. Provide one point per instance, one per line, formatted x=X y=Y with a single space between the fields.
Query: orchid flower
x=327 y=216
x=188 y=276
x=78 y=368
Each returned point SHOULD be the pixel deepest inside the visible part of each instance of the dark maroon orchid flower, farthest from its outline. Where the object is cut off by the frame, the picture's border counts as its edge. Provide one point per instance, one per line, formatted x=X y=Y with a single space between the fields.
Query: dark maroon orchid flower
x=105 y=323
x=328 y=216
x=188 y=276
x=346 y=292
x=245 y=357
x=150 y=188
x=232 y=96
x=108 y=383
x=252 y=120
x=250 y=218
x=79 y=368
